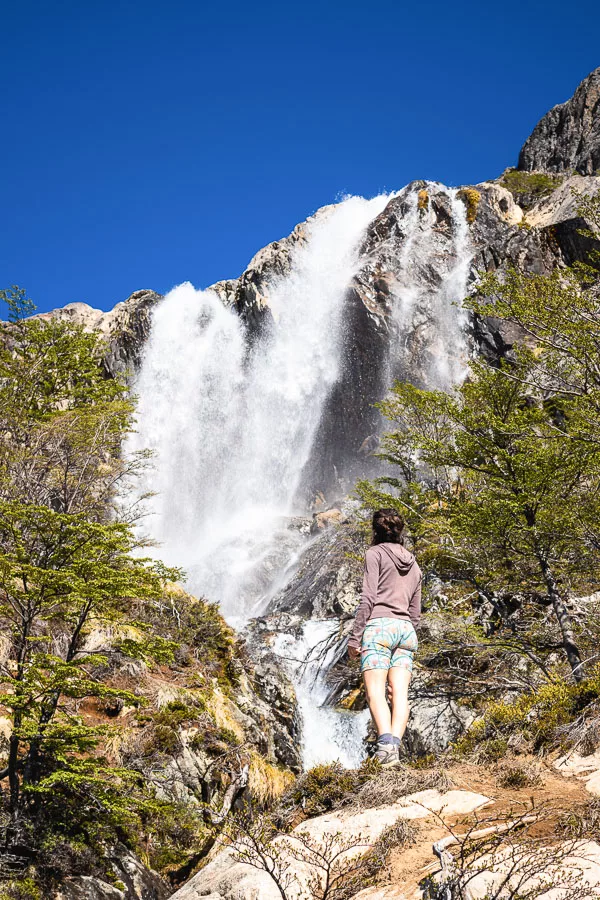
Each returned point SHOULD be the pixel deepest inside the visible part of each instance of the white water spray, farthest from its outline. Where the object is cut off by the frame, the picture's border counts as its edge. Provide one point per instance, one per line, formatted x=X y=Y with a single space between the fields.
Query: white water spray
x=232 y=430
x=328 y=734
x=431 y=282
x=231 y=436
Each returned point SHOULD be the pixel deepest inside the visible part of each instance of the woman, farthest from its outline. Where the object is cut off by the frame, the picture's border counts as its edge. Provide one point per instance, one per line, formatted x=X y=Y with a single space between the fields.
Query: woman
x=384 y=629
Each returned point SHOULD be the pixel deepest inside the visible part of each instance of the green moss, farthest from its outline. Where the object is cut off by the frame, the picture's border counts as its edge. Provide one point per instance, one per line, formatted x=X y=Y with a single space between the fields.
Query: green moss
x=23 y=888
x=179 y=712
x=165 y=739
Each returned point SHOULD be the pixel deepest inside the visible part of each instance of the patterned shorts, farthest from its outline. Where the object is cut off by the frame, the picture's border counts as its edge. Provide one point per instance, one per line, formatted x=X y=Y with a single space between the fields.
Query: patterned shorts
x=387 y=644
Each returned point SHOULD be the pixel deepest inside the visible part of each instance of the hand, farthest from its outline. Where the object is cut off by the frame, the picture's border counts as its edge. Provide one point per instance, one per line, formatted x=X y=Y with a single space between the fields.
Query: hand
x=353 y=652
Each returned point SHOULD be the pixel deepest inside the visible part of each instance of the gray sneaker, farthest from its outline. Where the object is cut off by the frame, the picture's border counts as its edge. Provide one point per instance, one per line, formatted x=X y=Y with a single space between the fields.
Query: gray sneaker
x=387 y=754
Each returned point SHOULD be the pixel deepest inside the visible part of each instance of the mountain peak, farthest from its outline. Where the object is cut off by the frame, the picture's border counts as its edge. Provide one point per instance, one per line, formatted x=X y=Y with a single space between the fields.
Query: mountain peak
x=567 y=138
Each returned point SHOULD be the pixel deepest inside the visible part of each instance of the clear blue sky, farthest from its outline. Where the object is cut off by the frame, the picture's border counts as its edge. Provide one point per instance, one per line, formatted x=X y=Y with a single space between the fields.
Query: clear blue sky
x=149 y=143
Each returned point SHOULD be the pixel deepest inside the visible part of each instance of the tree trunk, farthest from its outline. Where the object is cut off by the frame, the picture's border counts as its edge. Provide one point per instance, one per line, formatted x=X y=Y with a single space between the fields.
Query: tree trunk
x=563 y=617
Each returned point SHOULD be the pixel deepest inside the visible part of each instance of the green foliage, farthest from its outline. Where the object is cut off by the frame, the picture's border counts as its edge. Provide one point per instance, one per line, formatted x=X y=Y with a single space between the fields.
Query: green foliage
x=24 y=887
x=537 y=716
x=178 y=712
x=173 y=834
x=67 y=566
x=198 y=631
x=19 y=304
x=496 y=467
x=530 y=186
x=516 y=776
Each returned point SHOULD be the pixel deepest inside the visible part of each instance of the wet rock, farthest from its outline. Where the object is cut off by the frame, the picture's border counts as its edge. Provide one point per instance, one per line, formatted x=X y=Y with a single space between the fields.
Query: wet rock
x=274 y=688
x=328 y=578
x=323 y=520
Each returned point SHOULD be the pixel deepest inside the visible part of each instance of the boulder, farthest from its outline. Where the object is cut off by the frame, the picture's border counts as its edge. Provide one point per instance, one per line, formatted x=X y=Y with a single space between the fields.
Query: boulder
x=434 y=724
x=326 y=519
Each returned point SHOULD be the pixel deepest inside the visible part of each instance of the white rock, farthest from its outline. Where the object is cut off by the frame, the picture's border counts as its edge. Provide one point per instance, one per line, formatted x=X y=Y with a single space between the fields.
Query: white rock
x=586 y=768
x=238 y=881
x=580 y=865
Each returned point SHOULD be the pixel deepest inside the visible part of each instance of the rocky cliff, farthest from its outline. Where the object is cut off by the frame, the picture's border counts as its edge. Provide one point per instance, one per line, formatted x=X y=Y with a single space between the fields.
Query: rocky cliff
x=567 y=138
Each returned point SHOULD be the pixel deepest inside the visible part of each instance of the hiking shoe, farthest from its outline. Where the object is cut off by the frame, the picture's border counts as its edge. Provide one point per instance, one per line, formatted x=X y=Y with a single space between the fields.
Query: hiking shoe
x=387 y=754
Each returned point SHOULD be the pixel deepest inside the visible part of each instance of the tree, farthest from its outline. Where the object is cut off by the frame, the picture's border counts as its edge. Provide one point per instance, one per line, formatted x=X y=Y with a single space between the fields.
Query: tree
x=501 y=497
x=558 y=316
x=62 y=421
x=67 y=561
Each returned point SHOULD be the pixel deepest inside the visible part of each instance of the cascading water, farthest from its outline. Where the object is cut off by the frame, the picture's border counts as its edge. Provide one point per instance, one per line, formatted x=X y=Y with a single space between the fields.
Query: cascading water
x=232 y=430
x=327 y=734
x=430 y=285
x=231 y=434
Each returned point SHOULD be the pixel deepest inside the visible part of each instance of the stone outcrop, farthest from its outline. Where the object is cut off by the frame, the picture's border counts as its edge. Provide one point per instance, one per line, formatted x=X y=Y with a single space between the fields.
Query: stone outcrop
x=226 y=879
x=567 y=138
x=135 y=881
x=125 y=328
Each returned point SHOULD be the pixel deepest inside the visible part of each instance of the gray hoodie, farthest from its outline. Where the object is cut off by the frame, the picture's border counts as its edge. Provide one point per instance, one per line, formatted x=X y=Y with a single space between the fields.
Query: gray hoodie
x=391 y=588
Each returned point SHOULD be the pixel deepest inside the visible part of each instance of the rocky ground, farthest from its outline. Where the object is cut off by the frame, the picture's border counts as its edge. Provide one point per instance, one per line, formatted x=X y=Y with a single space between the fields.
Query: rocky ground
x=546 y=807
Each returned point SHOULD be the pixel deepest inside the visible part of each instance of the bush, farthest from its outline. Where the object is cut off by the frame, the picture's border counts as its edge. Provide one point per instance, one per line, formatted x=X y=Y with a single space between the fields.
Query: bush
x=519 y=777
x=529 y=186
x=471 y=199
x=540 y=717
x=322 y=788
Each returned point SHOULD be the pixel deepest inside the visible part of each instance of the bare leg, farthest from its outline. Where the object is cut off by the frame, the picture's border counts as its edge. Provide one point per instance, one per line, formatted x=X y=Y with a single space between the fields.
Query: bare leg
x=375 y=682
x=399 y=680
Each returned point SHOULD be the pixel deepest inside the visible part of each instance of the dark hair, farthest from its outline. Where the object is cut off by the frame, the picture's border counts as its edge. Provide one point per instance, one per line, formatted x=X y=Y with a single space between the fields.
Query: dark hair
x=388 y=527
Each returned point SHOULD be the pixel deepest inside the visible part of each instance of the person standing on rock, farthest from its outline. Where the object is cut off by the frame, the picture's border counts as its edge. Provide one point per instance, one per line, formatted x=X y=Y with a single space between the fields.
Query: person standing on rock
x=384 y=629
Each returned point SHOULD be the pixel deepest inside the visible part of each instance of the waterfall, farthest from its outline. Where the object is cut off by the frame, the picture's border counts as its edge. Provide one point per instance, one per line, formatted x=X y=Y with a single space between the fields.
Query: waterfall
x=431 y=280
x=231 y=433
x=327 y=734
x=231 y=428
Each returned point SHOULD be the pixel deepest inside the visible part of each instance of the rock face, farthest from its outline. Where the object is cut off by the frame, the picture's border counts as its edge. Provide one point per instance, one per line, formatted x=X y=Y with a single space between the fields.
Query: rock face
x=125 y=328
x=567 y=138
x=137 y=882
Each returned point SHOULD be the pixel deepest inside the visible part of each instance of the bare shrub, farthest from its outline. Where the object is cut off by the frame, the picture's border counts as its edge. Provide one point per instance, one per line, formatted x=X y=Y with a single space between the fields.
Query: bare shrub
x=333 y=866
x=509 y=860
x=391 y=784
x=582 y=822
x=519 y=776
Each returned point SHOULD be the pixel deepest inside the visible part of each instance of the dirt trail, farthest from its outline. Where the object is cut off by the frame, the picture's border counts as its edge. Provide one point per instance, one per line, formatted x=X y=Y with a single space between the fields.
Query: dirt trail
x=554 y=792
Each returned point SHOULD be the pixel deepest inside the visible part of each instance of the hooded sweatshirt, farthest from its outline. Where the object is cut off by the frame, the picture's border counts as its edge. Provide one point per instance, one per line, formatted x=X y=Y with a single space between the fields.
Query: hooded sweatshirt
x=391 y=588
